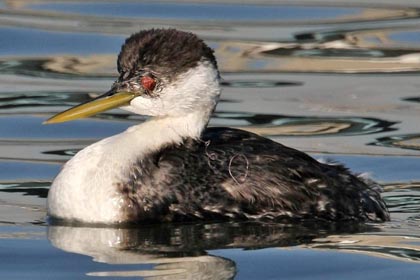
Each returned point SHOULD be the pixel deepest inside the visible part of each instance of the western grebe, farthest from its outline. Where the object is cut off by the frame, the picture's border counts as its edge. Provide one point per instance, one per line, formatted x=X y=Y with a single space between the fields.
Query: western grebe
x=173 y=168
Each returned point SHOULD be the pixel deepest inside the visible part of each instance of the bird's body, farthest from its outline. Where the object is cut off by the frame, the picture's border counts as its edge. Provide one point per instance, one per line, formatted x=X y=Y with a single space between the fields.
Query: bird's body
x=171 y=168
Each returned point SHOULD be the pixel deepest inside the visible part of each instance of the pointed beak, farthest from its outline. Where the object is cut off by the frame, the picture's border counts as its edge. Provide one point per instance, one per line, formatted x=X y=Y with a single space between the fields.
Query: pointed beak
x=102 y=103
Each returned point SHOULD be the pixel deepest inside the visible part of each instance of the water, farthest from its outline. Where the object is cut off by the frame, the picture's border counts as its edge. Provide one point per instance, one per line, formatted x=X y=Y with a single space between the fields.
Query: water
x=336 y=80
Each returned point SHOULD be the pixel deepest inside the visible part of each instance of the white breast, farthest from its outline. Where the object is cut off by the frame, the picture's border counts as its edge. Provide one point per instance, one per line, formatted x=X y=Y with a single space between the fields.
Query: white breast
x=85 y=189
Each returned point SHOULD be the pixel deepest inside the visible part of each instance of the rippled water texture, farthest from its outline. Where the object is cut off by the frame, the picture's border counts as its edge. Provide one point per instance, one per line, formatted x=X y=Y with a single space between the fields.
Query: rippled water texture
x=334 y=79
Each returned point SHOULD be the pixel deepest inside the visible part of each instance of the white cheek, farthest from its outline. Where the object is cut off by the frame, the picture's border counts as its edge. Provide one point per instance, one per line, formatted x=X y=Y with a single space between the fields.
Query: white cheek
x=196 y=90
x=145 y=106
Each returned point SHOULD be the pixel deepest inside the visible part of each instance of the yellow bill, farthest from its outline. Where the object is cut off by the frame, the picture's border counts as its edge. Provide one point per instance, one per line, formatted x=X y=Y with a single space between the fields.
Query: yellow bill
x=90 y=108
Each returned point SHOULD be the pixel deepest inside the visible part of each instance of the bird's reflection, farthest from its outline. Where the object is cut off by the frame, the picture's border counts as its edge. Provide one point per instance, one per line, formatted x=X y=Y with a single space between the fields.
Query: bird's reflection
x=178 y=251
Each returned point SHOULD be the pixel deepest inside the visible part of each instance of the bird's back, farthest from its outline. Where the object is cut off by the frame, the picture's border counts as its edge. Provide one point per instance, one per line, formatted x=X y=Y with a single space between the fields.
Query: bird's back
x=234 y=174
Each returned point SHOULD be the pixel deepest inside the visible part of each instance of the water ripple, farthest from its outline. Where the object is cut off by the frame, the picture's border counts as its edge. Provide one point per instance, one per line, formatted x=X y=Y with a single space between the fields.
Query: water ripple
x=404 y=141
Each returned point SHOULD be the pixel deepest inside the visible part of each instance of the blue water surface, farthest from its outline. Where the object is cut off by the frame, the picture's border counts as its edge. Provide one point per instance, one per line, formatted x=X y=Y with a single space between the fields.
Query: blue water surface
x=204 y=11
x=35 y=42
x=35 y=246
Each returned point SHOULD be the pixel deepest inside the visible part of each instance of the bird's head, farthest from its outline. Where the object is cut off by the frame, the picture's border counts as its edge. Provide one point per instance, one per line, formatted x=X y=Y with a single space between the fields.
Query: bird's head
x=162 y=72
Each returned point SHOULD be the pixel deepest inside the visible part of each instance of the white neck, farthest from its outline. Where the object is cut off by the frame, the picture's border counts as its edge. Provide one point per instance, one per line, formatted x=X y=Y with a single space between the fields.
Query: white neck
x=159 y=131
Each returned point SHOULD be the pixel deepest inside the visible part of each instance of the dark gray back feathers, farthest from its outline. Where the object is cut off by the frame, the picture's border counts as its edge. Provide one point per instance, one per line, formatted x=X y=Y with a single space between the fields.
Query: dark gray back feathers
x=234 y=174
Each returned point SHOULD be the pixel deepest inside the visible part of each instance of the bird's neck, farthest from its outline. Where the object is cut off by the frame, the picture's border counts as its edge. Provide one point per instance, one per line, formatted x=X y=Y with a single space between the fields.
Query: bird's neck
x=120 y=151
x=161 y=131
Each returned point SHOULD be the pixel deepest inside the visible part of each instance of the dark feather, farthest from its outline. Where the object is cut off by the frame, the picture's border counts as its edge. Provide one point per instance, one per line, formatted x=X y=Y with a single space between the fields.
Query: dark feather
x=165 y=51
x=233 y=174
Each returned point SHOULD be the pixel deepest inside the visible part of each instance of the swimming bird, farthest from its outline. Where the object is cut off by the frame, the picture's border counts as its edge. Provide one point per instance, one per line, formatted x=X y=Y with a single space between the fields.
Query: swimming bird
x=173 y=168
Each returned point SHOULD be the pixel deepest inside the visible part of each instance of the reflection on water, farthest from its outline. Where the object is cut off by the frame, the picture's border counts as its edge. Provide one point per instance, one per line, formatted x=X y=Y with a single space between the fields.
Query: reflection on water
x=179 y=251
x=342 y=55
x=408 y=141
x=162 y=246
x=58 y=54
x=15 y=100
x=60 y=67
x=278 y=125
x=38 y=189
x=394 y=247
x=412 y=99
x=258 y=83
x=405 y=198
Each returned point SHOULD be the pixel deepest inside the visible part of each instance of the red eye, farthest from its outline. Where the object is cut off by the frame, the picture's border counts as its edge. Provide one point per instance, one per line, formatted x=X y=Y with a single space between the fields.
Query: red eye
x=148 y=82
